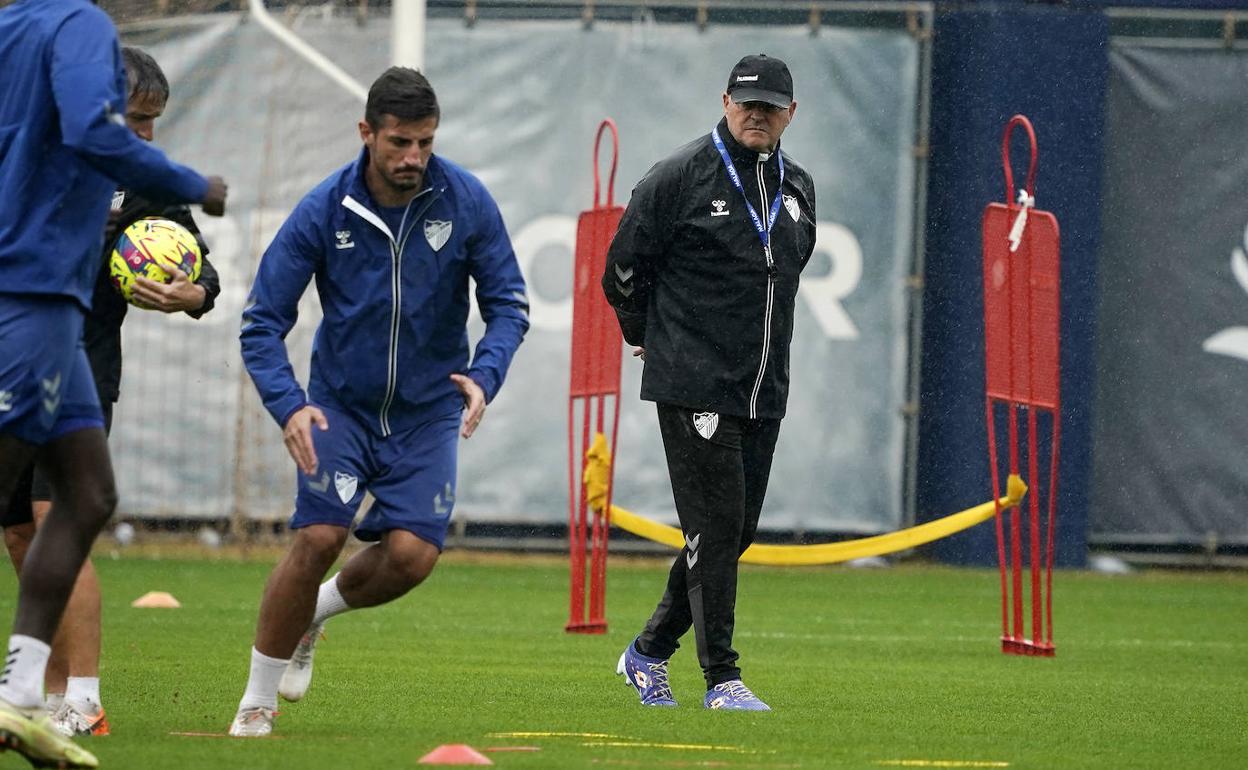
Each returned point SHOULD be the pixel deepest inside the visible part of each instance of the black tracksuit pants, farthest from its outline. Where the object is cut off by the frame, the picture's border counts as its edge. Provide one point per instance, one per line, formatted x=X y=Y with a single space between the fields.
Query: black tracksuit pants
x=719 y=467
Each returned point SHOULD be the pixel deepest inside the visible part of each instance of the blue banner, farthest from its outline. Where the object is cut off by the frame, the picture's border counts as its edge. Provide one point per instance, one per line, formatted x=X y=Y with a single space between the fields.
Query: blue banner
x=1173 y=323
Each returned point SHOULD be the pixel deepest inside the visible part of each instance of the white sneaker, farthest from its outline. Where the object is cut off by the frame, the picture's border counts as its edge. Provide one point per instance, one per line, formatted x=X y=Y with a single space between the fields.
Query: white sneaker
x=254 y=722
x=70 y=720
x=298 y=674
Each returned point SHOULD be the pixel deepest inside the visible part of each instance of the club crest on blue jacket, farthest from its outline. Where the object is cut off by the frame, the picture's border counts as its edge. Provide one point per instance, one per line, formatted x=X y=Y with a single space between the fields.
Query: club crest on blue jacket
x=437 y=233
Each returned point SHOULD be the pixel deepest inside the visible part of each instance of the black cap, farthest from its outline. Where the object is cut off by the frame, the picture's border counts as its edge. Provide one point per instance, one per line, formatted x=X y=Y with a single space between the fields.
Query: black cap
x=760 y=78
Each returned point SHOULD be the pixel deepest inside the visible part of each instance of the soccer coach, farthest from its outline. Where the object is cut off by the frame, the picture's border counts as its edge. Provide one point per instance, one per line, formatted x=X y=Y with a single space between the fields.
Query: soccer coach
x=703 y=275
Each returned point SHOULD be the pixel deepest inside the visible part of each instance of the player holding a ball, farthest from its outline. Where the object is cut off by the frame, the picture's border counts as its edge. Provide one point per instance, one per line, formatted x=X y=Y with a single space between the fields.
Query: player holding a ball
x=72 y=680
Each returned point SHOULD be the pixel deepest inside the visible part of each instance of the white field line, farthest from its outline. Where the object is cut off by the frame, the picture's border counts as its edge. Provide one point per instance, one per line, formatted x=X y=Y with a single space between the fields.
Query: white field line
x=940 y=763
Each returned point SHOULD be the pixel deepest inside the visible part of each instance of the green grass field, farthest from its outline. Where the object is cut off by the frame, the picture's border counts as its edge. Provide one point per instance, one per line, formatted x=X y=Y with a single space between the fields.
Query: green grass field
x=865 y=669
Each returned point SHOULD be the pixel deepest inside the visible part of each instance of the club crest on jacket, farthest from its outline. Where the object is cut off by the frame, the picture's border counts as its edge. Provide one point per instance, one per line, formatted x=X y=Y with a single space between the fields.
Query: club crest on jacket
x=790 y=205
x=437 y=233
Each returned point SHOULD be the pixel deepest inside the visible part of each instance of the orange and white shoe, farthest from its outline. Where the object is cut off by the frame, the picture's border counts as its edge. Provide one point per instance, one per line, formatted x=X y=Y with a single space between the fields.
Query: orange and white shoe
x=253 y=722
x=71 y=721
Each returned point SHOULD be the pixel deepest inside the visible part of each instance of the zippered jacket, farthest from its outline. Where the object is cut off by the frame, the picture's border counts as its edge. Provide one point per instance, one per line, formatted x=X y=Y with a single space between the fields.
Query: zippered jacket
x=65 y=147
x=691 y=281
x=394 y=304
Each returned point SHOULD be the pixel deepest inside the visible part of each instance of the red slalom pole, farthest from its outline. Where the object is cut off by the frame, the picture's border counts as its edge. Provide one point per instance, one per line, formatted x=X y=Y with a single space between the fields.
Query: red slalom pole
x=1037 y=556
x=996 y=501
x=598 y=544
x=576 y=518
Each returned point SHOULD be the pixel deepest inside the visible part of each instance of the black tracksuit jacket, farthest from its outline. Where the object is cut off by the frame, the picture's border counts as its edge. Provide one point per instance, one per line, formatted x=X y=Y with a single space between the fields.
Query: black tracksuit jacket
x=101 y=329
x=691 y=282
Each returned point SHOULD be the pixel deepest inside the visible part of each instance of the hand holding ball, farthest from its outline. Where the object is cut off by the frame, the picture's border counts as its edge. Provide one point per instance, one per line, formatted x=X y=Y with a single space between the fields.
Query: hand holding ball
x=152 y=248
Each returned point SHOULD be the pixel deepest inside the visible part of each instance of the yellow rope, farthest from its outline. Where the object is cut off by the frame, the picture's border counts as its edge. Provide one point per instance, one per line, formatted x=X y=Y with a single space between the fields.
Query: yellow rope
x=598 y=473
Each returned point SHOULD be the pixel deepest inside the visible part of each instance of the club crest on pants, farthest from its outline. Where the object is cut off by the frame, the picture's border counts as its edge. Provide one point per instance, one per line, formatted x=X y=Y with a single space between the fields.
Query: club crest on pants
x=345 y=483
x=706 y=423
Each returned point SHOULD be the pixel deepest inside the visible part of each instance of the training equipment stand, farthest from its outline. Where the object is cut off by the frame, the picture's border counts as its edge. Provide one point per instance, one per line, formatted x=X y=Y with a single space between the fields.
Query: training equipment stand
x=594 y=390
x=1022 y=319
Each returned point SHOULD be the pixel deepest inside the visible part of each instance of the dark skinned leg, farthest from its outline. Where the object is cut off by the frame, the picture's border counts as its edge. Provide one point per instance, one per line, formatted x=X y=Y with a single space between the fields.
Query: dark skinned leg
x=84 y=497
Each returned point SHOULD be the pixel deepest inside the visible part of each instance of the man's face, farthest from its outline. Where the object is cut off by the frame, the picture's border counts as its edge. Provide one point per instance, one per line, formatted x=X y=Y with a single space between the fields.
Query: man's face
x=757 y=125
x=399 y=151
x=141 y=113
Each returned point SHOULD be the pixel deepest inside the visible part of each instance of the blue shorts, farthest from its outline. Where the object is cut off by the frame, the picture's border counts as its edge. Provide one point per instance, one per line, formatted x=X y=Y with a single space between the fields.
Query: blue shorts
x=46 y=388
x=411 y=476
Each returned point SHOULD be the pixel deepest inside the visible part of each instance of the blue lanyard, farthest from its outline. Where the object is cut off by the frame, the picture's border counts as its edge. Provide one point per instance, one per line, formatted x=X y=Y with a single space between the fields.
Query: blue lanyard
x=764 y=233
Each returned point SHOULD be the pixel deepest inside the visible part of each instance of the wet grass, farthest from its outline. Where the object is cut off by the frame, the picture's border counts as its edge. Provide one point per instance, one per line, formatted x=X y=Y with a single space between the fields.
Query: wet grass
x=864 y=668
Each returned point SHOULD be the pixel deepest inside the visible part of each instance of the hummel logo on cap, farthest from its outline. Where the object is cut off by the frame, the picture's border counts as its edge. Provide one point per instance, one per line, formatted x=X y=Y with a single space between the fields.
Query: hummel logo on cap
x=760 y=78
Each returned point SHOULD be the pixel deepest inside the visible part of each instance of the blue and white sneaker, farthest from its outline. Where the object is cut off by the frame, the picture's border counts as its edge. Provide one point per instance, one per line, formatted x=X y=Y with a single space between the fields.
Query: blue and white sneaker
x=647 y=675
x=734 y=696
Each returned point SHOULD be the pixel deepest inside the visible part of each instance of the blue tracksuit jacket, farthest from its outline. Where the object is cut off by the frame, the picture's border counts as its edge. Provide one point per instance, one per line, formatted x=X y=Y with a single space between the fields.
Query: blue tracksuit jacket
x=65 y=147
x=395 y=304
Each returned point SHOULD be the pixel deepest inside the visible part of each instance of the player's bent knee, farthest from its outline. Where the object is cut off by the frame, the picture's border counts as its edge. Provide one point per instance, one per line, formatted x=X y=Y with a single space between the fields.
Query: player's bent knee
x=319 y=543
x=414 y=572
x=92 y=500
x=105 y=502
x=95 y=502
x=411 y=559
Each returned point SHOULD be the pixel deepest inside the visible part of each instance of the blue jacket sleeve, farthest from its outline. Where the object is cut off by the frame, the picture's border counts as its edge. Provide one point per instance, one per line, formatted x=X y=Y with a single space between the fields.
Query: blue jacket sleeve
x=501 y=297
x=273 y=307
x=85 y=78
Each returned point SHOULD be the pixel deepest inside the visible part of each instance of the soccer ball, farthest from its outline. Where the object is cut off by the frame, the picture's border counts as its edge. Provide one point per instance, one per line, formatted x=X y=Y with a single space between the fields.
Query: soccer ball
x=151 y=247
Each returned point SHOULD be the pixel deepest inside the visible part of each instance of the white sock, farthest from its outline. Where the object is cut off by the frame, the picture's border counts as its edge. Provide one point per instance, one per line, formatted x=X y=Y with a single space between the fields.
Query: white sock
x=22 y=681
x=329 y=602
x=53 y=702
x=83 y=693
x=266 y=674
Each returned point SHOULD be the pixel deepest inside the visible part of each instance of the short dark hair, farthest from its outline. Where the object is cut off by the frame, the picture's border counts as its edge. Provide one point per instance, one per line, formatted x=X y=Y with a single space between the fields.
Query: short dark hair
x=402 y=92
x=144 y=75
